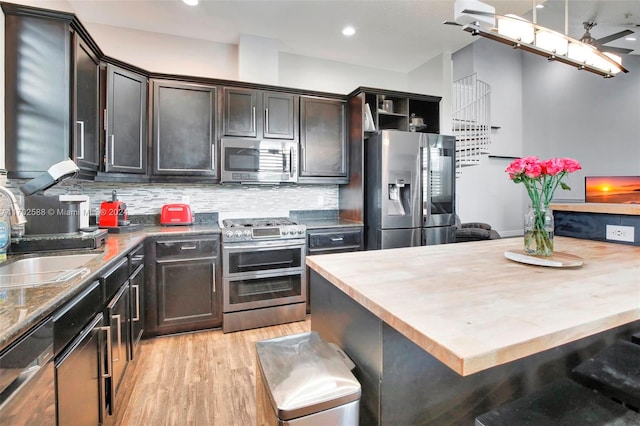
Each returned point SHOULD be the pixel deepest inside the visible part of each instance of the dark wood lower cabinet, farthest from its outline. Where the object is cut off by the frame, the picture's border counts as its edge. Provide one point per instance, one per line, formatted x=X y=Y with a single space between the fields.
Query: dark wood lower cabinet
x=80 y=373
x=183 y=284
x=119 y=323
x=331 y=240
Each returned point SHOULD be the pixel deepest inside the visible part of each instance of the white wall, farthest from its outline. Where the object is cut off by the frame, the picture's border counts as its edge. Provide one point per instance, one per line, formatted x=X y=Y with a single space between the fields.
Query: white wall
x=435 y=78
x=484 y=192
x=549 y=110
x=583 y=116
x=309 y=73
x=163 y=53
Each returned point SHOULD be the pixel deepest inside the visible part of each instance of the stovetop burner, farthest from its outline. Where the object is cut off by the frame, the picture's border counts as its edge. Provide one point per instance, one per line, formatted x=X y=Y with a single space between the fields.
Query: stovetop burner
x=257 y=222
x=261 y=228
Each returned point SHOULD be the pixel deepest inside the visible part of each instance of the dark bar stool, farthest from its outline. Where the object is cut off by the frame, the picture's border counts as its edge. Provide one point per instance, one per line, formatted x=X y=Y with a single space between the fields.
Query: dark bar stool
x=561 y=403
x=614 y=371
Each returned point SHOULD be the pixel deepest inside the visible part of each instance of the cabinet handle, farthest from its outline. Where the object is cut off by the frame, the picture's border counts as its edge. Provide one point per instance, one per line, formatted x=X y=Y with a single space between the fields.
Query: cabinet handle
x=137 y=258
x=137 y=289
x=109 y=371
x=213 y=156
x=81 y=156
x=213 y=279
x=105 y=120
x=336 y=239
x=266 y=120
x=253 y=119
x=291 y=169
x=117 y=318
x=193 y=247
x=303 y=166
x=113 y=142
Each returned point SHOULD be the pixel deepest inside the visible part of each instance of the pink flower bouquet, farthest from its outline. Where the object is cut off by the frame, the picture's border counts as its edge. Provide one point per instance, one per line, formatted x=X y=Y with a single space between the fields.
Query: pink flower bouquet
x=541 y=178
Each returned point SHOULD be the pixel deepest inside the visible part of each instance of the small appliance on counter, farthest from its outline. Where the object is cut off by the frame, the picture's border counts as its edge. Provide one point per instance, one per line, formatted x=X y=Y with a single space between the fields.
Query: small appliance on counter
x=55 y=222
x=50 y=214
x=176 y=214
x=113 y=213
x=114 y=216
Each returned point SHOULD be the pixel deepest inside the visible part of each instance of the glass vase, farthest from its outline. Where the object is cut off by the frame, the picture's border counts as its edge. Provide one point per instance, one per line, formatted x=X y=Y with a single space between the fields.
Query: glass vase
x=538 y=231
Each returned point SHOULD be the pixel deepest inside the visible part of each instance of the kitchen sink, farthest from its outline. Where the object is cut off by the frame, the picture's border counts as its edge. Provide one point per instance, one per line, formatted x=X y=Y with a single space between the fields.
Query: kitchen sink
x=40 y=270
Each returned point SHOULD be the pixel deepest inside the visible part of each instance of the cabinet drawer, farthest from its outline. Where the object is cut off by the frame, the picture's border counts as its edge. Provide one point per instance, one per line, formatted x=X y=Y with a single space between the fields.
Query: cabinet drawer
x=72 y=318
x=113 y=280
x=334 y=240
x=202 y=247
x=136 y=258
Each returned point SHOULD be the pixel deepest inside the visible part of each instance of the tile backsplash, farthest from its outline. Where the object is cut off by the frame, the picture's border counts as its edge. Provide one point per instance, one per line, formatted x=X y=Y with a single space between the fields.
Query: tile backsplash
x=146 y=199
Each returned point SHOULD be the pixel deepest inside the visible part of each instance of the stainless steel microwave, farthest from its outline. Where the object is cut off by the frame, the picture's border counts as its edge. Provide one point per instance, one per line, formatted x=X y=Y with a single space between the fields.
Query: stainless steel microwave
x=258 y=161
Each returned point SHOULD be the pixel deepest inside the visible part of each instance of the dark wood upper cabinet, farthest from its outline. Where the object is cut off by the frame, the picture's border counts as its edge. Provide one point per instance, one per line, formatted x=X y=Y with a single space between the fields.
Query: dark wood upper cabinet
x=126 y=121
x=259 y=114
x=280 y=112
x=323 y=140
x=184 y=128
x=37 y=92
x=87 y=106
x=240 y=112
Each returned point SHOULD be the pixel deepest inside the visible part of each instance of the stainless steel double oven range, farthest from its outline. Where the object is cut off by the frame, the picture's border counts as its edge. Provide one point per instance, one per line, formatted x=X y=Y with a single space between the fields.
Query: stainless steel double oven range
x=263 y=272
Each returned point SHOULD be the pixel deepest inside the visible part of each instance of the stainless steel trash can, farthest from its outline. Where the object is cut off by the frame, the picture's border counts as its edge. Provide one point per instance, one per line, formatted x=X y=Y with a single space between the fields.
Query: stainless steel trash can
x=302 y=381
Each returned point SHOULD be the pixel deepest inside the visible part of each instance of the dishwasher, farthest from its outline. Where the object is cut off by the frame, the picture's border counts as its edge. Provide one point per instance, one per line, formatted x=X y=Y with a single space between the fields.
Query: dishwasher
x=27 y=388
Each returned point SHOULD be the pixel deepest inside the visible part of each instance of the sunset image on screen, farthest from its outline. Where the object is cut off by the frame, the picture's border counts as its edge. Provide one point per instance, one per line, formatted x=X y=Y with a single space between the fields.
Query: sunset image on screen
x=612 y=189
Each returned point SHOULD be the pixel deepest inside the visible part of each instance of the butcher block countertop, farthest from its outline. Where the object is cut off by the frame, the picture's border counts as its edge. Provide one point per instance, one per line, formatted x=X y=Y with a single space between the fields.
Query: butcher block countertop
x=471 y=308
x=606 y=208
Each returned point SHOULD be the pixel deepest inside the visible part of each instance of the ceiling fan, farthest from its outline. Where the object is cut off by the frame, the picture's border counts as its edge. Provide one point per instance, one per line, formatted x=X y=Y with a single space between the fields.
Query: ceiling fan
x=600 y=43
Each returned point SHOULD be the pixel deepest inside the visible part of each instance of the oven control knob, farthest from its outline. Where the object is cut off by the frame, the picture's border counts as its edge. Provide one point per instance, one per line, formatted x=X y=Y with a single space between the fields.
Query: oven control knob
x=285 y=231
x=247 y=233
x=229 y=234
x=300 y=231
x=238 y=234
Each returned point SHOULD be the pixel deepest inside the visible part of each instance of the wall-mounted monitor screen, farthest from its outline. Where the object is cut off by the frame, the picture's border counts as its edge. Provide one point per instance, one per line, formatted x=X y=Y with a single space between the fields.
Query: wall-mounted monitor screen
x=612 y=189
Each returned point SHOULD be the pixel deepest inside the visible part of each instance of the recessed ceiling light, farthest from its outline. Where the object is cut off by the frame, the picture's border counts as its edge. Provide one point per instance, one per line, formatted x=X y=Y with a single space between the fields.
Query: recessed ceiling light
x=348 y=31
x=191 y=2
x=631 y=39
x=540 y=6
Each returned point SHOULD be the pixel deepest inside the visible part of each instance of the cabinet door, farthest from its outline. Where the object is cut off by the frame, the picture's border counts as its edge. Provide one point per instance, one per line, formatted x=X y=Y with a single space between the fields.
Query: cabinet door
x=280 y=111
x=187 y=294
x=37 y=93
x=184 y=130
x=240 y=112
x=79 y=374
x=126 y=124
x=86 y=96
x=120 y=325
x=136 y=282
x=322 y=138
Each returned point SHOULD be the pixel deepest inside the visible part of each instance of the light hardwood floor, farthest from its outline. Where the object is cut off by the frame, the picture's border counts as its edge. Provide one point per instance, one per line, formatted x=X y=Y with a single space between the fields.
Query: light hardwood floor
x=200 y=378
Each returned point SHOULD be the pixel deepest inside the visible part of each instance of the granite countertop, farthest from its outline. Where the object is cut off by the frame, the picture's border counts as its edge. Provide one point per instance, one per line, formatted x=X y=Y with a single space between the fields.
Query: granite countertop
x=23 y=308
x=329 y=223
x=472 y=308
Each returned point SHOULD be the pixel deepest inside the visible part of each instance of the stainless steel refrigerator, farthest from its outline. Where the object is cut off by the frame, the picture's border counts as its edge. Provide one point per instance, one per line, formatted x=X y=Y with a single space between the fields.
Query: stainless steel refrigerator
x=409 y=189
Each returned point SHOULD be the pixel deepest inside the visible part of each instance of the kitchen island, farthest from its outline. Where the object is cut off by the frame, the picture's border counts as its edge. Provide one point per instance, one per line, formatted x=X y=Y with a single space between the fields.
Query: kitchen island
x=441 y=334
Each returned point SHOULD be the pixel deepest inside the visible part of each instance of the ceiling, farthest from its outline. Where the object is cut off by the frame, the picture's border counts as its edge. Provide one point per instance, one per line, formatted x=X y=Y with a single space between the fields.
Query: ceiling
x=396 y=35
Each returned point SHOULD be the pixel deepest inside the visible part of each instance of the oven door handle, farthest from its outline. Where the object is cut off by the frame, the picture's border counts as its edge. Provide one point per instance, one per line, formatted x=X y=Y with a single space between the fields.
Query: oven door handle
x=263 y=264
x=262 y=245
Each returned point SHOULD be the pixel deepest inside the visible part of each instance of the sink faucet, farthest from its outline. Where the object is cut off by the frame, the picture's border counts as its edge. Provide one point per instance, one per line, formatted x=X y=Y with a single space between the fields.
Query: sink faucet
x=17 y=218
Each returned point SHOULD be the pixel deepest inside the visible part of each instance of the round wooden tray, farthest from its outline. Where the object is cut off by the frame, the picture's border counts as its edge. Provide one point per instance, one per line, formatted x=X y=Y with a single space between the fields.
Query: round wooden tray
x=558 y=259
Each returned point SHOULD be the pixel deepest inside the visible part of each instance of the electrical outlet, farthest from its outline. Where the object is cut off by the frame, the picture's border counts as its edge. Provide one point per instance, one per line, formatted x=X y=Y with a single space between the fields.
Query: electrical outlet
x=620 y=233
